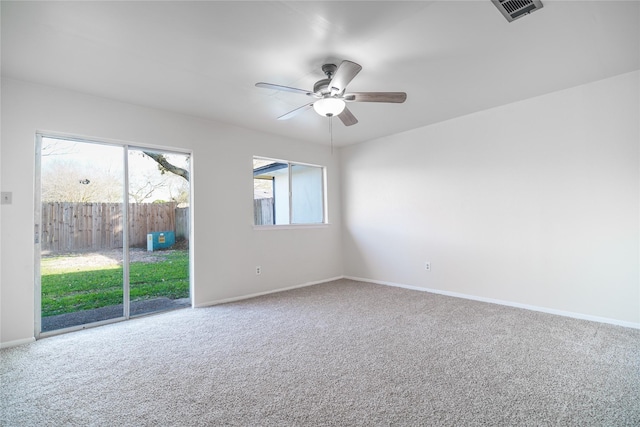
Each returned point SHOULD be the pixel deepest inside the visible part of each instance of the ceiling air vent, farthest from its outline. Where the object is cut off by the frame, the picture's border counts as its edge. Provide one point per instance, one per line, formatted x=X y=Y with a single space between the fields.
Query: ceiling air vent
x=514 y=9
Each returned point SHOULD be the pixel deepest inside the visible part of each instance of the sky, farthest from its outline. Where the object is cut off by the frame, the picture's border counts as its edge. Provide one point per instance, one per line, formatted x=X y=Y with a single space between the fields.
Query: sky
x=95 y=159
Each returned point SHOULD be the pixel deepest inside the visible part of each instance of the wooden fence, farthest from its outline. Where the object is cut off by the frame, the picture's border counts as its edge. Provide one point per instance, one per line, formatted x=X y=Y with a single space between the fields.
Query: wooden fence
x=263 y=211
x=182 y=223
x=70 y=227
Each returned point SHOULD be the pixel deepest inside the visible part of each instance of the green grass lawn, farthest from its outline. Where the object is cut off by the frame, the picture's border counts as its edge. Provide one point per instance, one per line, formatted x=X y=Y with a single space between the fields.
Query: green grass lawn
x=73 y=290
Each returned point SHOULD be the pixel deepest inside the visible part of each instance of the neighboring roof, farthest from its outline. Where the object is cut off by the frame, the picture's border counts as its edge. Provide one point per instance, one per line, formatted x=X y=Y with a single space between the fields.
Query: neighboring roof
x=267 y=169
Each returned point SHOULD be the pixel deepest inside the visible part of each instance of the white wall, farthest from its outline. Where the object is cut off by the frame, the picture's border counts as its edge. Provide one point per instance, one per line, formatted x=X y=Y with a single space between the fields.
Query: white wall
x=533 y=203
x=225 y=245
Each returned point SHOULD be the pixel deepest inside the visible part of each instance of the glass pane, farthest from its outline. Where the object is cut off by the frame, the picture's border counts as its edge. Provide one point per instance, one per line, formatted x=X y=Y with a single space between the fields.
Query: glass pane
x=306 y=194
x=263 y=207
x=270 y=192
x=158 y=231
x=81 y=233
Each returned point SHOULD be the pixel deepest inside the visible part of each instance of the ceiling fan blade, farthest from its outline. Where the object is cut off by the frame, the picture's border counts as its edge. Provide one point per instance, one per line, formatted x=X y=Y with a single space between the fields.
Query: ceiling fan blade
x=296 y=111
x=344 y=74
x=285 y=88
x=347 y=117
x=394 y=97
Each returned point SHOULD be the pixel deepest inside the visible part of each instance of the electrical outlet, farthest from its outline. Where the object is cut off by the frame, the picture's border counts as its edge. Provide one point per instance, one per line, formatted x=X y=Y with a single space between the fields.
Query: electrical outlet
x=427 y=266
x=258 y=270
x=6 y=197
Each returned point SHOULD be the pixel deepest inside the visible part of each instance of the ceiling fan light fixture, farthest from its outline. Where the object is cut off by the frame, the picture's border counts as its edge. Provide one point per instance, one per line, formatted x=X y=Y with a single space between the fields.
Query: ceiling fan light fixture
x=329 y=107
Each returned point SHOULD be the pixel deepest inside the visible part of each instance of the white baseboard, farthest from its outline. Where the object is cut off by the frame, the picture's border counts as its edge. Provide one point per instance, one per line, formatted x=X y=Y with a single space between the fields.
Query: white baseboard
x=243 y=297
x=16 y=343
x=506 y=303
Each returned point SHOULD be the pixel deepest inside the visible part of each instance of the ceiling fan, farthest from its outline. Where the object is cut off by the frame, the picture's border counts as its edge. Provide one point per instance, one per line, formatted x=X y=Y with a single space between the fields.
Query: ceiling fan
x=330 y=95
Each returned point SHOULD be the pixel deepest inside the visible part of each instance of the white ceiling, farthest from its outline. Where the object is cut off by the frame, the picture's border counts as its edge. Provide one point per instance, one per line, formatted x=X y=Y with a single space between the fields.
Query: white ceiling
x=203 y=58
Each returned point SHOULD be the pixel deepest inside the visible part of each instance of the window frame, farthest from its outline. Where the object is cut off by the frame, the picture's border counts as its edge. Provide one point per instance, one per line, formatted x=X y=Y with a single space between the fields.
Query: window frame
x=290 y=225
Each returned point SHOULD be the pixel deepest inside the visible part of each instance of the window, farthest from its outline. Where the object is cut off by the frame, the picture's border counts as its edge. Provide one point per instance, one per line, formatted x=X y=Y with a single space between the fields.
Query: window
x=287 y=193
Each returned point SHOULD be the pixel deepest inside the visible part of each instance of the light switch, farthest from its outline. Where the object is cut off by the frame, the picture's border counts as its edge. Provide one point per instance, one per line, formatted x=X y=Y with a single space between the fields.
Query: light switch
x=6 y=197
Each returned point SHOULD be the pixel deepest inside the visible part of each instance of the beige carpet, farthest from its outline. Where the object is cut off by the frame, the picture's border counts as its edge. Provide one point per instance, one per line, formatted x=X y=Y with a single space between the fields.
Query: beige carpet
x=338 y=354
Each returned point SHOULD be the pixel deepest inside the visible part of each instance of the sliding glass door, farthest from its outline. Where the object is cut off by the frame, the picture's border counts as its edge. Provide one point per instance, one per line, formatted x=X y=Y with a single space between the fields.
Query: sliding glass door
x=81 y=233
x=158 y=231
x=111 y=233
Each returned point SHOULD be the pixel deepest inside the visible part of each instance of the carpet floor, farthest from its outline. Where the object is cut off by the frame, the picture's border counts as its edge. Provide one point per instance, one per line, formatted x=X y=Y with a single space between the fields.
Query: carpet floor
x=343 y=353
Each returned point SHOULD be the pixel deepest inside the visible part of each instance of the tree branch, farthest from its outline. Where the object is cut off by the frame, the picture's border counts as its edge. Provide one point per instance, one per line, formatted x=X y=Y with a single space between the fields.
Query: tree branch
x=165 y=165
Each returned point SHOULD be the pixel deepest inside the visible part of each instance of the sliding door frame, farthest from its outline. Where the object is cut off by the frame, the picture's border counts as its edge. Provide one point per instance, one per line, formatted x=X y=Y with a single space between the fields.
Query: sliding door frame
x=126 y=148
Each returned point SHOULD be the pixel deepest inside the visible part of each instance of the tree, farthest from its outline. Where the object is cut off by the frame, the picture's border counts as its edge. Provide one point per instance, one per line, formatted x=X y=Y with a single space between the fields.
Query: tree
x=77 y=172
x=69 y=182
x=165 y=166
x=144 y=190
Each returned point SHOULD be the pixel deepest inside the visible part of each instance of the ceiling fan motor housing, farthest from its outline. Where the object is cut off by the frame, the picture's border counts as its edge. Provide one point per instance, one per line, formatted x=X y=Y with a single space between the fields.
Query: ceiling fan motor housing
x=321 y=87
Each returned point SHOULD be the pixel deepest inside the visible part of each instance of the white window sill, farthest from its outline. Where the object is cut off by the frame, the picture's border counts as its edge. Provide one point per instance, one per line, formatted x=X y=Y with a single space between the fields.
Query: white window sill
x=289 y=226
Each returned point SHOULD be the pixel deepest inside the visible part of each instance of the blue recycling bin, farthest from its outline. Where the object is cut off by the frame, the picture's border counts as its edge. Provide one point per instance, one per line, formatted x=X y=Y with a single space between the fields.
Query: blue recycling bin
x=160 y=240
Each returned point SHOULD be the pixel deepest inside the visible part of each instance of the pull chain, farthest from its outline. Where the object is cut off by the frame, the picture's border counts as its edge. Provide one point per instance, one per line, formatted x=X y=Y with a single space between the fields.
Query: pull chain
x=331 y=133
